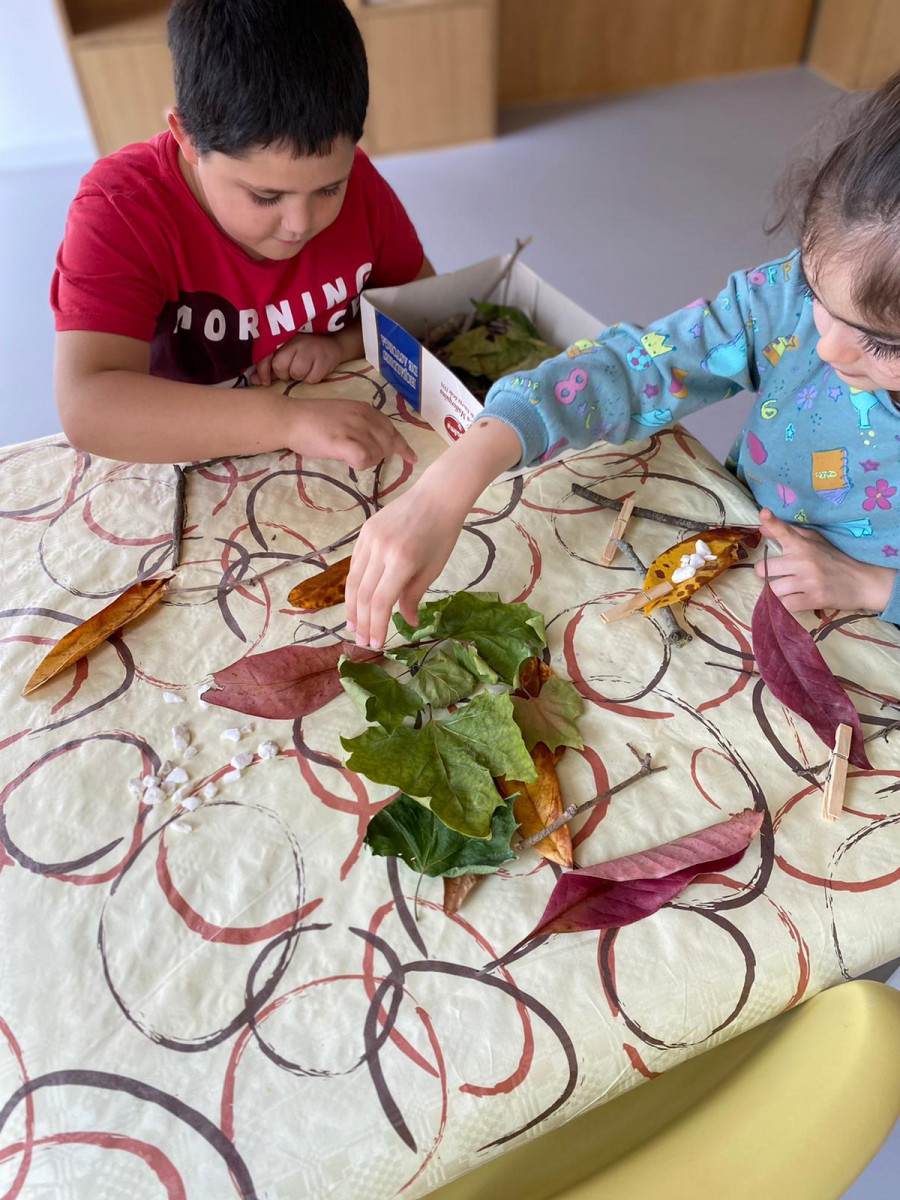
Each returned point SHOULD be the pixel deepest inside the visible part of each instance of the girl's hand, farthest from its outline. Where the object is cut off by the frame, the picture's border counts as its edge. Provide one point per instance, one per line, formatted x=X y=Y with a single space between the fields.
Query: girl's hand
x=306 y=356
x=399 y=552
x=812 y=573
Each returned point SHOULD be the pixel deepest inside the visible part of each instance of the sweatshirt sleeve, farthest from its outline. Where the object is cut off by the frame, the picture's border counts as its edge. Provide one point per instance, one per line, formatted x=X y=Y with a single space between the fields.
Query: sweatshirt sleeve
x=628 y=380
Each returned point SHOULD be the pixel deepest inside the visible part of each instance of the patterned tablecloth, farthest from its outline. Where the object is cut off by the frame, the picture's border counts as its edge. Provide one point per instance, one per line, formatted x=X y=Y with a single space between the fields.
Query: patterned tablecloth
x=203 y=1012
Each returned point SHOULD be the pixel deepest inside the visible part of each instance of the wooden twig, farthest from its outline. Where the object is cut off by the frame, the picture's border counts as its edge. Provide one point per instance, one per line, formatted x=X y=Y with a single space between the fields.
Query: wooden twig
x=574 y=810
x=676 y=636
x=504 y=274
x=648 y=514
x=178 y=518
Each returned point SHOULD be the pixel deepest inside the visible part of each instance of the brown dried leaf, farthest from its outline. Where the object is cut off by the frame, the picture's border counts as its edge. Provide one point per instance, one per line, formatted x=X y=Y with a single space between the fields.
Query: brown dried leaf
x=81 y=640
x=729 y=543
x=532 y=677
x=540 y=803
x=323 y=590
x=456 y=888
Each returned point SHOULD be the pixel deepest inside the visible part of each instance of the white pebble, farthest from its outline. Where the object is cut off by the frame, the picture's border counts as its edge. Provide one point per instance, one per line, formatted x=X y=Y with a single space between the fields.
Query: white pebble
x=702 y=548
x=178 y=775
x=171 y=698
x=241 y=760
x=191 y=751
x=230 y=735
x=268 y=750
x=165 y=769
x=181 y=737
x=696 y=560
x=153 y=795
x=181 y=827
x=206 y=687
x=210 y=790
x=169 y=787
x=150 y=780
x=248 y=728
x=191 y=803
x=136 y=785
x=178 y=797
x=231 y=776
x=680 y=574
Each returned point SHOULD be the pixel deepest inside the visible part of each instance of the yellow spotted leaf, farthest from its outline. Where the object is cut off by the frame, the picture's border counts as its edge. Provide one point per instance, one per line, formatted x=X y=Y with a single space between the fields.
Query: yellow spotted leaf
x=729 y=543
x=538 y=804
x=81 y=640
x=323 y=590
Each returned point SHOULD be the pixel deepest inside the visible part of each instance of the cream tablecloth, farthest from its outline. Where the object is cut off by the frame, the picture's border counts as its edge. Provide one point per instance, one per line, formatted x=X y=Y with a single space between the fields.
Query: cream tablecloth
x=251 y=1007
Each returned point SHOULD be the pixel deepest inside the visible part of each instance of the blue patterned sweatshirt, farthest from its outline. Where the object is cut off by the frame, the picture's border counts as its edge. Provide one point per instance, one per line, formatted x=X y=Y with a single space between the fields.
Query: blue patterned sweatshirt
x=814 y=449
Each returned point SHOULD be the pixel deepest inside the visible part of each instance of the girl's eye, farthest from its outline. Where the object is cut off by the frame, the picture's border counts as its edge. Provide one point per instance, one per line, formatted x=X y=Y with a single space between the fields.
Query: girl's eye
x=879 y=349
x=264 y=201
x=807 y=291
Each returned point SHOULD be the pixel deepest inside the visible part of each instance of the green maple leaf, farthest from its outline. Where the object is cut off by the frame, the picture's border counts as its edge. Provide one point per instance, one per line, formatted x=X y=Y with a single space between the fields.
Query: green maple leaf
x=550 y=717
x=504 y=635
x=495 y=312
x=449 y=765
x=379 y=696
x=442 y=680
x=405 y=829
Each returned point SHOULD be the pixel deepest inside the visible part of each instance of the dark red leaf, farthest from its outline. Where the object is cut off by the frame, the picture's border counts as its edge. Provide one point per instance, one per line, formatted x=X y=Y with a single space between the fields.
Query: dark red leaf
x=625 y=890
x=285 y=683
x=794 y=671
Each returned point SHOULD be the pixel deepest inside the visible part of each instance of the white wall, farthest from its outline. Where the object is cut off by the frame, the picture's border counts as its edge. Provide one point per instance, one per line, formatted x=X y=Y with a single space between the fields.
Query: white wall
x=42 y=118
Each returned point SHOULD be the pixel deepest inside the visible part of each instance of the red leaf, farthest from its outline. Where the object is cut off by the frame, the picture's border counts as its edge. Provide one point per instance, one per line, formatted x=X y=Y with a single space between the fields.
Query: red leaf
x=285 y=683
x=793 y=669
x=625 y=890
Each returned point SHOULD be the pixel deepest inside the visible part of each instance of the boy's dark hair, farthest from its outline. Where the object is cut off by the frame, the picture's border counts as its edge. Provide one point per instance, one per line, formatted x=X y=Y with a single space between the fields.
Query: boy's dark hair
x=844 y=201
x=252 y=73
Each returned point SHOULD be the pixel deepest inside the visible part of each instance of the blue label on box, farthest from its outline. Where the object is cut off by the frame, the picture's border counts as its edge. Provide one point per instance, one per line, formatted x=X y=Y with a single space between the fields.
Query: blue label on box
x=399 y=359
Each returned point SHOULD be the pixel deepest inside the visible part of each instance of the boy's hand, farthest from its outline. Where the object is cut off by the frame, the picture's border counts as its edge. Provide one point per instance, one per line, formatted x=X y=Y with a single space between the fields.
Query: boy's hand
x=306 y=356
x=811 y=573
x=348 y=430
x=399 y=552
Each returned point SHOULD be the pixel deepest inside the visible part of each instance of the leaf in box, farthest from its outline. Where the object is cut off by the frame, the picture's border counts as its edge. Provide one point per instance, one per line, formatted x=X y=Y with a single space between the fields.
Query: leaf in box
x=728 y=543
x=624 y=890
x=285 y=683
x=480 y=351
x=405 y=829
x=538 y=804
x=794 y=671
x=449 y=765
x=379 y=696
x=84 y=638
x=323 y=590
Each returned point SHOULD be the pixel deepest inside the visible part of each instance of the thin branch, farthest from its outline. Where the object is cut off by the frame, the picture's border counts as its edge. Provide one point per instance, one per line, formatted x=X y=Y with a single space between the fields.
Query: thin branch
x=504 y=274
x=574 y=810
x=178 y=518
x=676 y=636
x=648 y=514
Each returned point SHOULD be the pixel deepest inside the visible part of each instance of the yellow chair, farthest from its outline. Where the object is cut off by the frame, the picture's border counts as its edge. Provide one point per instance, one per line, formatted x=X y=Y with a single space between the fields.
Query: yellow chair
x=792 y=1110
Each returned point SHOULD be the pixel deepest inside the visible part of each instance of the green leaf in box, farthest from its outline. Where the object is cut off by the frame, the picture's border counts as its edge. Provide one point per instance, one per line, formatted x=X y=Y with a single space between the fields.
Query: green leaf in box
x=407 y=830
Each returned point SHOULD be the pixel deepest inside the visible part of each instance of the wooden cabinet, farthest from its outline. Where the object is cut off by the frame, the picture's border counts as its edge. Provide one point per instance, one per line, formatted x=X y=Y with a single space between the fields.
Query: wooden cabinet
x=856 y=43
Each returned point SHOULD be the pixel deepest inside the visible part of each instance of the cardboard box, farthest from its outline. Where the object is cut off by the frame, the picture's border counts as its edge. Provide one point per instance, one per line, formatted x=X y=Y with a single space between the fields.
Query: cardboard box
x=393 y=320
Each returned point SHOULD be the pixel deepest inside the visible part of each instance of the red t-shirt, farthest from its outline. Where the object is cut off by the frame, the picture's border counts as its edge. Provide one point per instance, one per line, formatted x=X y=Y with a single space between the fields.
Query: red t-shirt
x=141 y=258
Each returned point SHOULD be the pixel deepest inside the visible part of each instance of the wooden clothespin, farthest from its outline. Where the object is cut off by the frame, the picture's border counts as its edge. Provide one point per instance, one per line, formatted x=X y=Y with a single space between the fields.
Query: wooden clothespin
x=636 y=601
x=833 y=801
x=618 y=531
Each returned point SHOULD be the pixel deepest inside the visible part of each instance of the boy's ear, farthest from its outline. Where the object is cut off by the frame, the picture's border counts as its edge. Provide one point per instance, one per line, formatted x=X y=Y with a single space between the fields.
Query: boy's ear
x=185 y=144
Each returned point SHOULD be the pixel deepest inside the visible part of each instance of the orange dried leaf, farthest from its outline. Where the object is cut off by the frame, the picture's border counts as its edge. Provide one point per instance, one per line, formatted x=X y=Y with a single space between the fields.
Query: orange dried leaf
x=81 y=640
x=540 y=803
x=532 y=677
x=456 y=888
x=323 y=590
x=729 y=543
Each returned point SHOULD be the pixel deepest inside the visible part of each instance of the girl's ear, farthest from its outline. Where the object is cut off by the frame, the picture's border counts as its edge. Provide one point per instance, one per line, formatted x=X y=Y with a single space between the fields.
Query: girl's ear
x=185 y=143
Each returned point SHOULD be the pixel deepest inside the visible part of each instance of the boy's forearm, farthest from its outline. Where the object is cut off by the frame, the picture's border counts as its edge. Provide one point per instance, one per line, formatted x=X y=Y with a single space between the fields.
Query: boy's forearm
x=350 y=341
x=142 y=418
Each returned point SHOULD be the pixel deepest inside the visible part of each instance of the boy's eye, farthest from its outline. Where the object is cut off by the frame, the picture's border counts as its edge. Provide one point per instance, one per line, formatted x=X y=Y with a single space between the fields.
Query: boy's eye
x=331 y=191
x=265 y=201
x=880 y=349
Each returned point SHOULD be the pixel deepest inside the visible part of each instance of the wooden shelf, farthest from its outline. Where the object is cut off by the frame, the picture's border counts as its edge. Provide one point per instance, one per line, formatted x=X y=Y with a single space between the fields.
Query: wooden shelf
x=116 y=20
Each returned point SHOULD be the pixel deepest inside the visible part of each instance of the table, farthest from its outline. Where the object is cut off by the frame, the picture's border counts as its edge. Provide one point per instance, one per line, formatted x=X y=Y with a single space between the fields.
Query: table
x=196 y=1013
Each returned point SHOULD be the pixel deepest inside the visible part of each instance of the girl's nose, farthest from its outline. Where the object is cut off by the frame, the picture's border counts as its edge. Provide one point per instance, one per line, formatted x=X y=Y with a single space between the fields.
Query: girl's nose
x=837 y=345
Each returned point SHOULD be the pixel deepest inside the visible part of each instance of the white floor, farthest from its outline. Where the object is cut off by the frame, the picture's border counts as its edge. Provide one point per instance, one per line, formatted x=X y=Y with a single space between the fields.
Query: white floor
x=637 y=205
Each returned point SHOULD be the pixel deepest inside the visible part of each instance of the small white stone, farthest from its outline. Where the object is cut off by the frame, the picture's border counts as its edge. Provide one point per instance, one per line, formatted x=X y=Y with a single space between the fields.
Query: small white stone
x=206 y=687
x=136 y=785
x=231 y=776
x=248 y=728
x=191 y=751
x=702 y=548
x=178 y=775
x=180 y=793
x=150 y=780
x=153 y=795
x=680 y=574
x=165 y=769
x=181 y=827
x=268 y=750
x=241 y=760
x=230 y=735
x=181 y=737
x=171 y=698
x=169 y=787
x=191 y=803
x=210 y=790
x=697 y=560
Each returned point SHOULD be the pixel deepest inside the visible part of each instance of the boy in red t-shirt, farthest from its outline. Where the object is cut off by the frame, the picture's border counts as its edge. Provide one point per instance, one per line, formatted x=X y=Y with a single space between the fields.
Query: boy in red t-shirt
x=231 y=250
